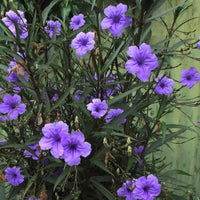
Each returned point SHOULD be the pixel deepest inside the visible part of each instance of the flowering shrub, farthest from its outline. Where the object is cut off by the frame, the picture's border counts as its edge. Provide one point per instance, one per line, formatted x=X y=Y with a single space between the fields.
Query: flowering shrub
x=90 y=123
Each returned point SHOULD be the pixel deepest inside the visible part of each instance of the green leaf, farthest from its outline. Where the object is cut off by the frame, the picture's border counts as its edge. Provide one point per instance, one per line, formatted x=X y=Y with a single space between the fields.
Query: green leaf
x=163 y=13
x=61 y=177
x=125 y=94
x=176 y=172
x=101 y=165
x=2 y=191
x=47 y=10
x=103 y=190
x=112 y=56
x=61 y=100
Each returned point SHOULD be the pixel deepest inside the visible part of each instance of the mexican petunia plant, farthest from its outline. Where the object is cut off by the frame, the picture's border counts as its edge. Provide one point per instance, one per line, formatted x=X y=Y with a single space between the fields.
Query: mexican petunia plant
x=85 y=94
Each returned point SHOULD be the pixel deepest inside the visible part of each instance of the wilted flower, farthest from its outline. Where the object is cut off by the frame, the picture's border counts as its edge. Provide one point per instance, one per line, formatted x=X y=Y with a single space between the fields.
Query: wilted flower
x=12 y=106
x=14 y=69
x=147 y=188
x=77 y=21
x=98 y=108
x=13 y=18
x=115 y=19
x=13 y=175
x=53 y=26
x=142 y=61
x=74 y=147
x=113 y=113
x=165 y=86
x=83 y=42
x=52 y=139
x=127 y=190
x=35 y=148
x=190 y=77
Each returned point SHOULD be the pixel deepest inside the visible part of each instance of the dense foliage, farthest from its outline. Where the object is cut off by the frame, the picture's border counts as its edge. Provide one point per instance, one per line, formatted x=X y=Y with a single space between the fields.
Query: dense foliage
x=84 y=97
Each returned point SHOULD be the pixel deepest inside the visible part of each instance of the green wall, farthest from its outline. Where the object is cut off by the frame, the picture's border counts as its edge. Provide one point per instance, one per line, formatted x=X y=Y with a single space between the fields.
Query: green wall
x=183 y=156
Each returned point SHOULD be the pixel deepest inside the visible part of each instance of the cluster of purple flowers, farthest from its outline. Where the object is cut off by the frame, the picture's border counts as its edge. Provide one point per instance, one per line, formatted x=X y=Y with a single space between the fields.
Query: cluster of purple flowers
x=63 y=145
x=13 y=19
x=141 y=188
x=116 y=19
x=53 y=26
x=14 y=176
x=12 y=107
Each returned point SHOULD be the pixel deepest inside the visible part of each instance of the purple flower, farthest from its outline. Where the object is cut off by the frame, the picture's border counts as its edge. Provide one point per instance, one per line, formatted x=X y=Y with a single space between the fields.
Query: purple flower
x=13 y=18
x=198 y=122
x=139 y=150
x=77 y=21
x=115 y=19
x=78 y=94
x=127 y=190
x=12 y=106
x=35 y=148
x=53 y=26
x=98 y=108
x=113 y=113
x=58 y=172
x=13 y=175
x=142 y=61
x=52 y=139
x=147 y=188
x=165 y=86
x=190 y=77
x=52 y=96
x=107 y=92
x=83 y=42
x=74 y=147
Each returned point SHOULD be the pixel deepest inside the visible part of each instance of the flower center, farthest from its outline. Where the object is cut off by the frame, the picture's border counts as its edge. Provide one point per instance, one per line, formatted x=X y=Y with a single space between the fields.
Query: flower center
x=116 y=18
x=72 y=147
x=97 y=109
x=57 y=139
x=77 y=22
x=162 y=85
x=12 y=105
x=84 y=41
x=189 y=77
x=14 y=175
x=146 y=188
